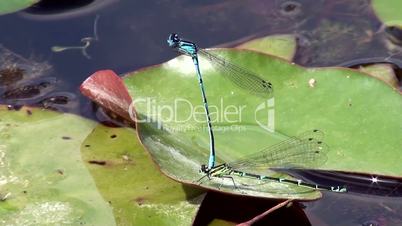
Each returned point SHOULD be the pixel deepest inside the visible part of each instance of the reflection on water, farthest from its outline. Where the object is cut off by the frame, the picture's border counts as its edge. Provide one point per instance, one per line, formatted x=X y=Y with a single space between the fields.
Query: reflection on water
x=370 y=198
x=132 y=35
x=374 y=185
x=355 y=209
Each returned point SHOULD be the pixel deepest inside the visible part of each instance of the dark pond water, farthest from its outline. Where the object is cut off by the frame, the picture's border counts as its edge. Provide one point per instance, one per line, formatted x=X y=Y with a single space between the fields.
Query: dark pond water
x=132 y=34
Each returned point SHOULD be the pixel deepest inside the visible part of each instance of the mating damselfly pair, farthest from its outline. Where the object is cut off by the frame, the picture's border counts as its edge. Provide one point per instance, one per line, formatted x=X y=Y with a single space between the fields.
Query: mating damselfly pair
x=306 y=150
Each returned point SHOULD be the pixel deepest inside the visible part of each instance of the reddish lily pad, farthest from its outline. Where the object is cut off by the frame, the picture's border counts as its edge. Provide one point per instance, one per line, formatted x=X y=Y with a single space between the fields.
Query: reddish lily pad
x=108 y=90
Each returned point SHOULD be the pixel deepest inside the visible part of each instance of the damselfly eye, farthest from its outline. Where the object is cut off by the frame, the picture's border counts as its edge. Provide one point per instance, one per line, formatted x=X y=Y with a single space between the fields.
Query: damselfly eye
x=175 y=37
x=203 y=168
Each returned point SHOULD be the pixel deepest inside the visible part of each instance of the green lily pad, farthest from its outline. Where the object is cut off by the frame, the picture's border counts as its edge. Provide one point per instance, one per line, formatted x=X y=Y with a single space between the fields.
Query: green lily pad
x=42 y=178
x=10 y=6
x=279 y=45
x=384 y=72
x=388 y=11
x=359 y=115
x=128 y=179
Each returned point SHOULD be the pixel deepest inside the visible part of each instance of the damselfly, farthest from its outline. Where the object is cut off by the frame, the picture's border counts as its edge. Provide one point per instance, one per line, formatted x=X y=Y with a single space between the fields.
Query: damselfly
x=239 y=76
x=304 y=151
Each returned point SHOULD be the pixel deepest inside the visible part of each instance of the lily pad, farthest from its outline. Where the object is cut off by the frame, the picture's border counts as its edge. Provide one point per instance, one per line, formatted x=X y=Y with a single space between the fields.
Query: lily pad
x=359 y=115
x=279 y=45
x=11 y=6
x=388 y=11
x=128 y=179
x=384 y=72
x=42 y=178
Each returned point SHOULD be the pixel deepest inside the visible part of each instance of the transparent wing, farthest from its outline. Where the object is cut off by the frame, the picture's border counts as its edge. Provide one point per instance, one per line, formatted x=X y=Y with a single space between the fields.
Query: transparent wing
x=239 y=76
x=304 y=151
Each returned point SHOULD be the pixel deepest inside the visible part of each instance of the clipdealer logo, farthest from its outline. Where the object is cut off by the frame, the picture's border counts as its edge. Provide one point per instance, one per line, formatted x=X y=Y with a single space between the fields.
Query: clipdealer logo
x=181 y=111
x=267 y=112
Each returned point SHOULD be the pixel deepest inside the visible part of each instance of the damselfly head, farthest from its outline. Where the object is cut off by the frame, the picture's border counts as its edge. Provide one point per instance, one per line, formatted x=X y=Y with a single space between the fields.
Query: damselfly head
x=173 y=40
x=204 y=169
